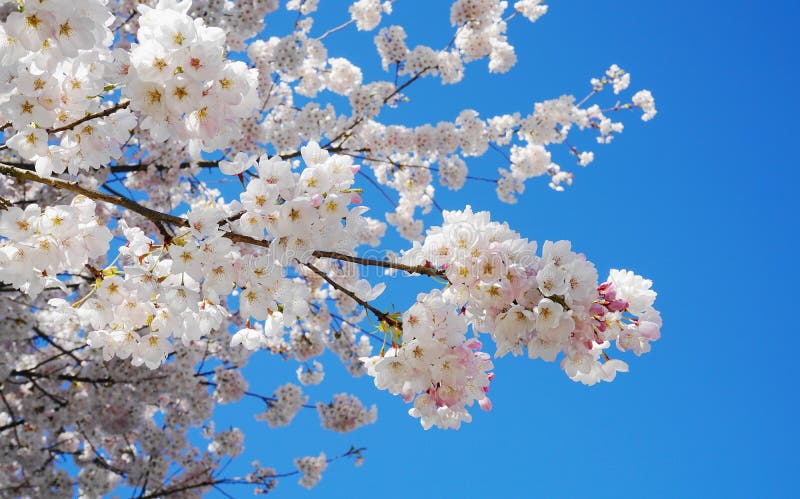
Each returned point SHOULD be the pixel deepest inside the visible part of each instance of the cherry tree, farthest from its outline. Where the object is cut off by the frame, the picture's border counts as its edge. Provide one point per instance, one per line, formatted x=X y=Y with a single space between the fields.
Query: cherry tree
x=133 y=289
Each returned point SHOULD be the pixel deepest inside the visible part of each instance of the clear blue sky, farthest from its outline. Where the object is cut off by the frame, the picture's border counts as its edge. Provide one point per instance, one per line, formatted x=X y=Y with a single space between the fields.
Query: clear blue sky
x=707 y=197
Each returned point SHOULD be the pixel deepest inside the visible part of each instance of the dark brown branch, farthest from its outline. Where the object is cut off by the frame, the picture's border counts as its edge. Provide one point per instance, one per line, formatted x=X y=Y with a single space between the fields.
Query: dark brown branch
x=379 y=187
x=411 y=269
x=135 y=207
x=406 y=84
x=13 y=416
x=100 y=114
x=209 y=482
x=32 y=380
x=11 y=425
x=99 y=459
x=56 y=357
x=145 y=166
x=159 y=217
x=61 y=349
x=31 y=374
x=339 y=320
x=123 y=23
x=383 y=317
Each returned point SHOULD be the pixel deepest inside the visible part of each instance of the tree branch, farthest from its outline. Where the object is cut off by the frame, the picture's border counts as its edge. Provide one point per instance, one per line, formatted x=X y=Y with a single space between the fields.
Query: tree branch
x=61 y=349
x=386 y=99
x=383 y=317
x=335 y=29
x=135 y=207
x=11 y=425
x=263 y=480
x=267 y=400
x=100 y=114
x=411 y=269
x=159 y=217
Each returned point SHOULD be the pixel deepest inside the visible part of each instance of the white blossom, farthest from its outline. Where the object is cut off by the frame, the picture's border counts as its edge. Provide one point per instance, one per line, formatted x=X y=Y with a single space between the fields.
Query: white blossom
x=184 y=196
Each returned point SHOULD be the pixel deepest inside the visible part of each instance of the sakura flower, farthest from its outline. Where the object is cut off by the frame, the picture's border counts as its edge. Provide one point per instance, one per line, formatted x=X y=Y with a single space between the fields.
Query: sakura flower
x=29 y=142
x=644 y=100
x=152 y=351
x=251 y=338
x=240 y=163
x=345 y=413
x=311 y=469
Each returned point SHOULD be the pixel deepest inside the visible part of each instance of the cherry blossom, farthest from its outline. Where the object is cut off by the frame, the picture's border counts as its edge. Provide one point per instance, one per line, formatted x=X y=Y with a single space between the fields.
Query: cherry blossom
x=182 y=193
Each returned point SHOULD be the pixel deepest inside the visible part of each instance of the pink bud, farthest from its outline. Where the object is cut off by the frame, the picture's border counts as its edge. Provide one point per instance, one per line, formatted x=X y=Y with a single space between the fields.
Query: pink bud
x=355 y=198
x=607 y=290
x=617 y=305
x=474 y=344
x=597 y=309
x=355 y=168
x=490 y=376
x=316 y=200
x=485 y=404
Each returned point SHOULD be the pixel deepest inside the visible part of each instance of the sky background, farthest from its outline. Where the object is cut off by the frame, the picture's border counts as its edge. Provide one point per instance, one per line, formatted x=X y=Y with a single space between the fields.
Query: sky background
x=702 y=200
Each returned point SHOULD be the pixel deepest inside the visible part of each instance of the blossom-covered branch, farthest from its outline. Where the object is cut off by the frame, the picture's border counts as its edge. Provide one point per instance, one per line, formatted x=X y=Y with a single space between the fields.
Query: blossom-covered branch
x=167 y=211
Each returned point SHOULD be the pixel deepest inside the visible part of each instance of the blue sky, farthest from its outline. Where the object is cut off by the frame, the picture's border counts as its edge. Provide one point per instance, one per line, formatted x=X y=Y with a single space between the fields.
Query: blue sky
x=702 y=200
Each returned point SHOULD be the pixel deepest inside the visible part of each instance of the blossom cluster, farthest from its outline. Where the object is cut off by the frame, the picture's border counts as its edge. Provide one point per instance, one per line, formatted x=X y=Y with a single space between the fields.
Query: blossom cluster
x=38 y=244
x=311 y=375
x=436 y=366
x=549 y=305
x=345 y=413
x=289 y=399
x=179 y=80
x=55 y=65
x=367 y=13
x=311 y=469
x=299 y=212
x=174 y=290
x=59 y=66
x=405 y=158
x=482 y=32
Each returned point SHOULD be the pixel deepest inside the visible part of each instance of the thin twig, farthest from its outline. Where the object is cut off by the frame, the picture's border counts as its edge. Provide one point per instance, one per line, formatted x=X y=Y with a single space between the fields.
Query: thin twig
x=335 y=29
x=100 y=114
x=383 y=317
x=49 y=340
x=411 y=269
